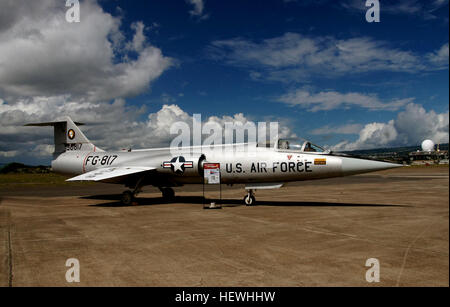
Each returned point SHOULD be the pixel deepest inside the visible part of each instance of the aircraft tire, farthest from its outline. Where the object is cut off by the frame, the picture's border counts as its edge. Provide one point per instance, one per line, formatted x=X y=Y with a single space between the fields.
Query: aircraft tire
x=249 y=200
x=168 y=194
x=127 y=198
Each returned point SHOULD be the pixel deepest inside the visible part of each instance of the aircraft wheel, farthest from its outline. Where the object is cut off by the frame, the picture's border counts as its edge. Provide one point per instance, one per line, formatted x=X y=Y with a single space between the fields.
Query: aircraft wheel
x=127 y=198
x=249 y=200
x=168 y=194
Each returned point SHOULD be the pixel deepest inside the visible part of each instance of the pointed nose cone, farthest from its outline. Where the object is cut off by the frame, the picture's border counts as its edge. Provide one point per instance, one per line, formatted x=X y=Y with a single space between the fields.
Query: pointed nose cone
x=352 y=166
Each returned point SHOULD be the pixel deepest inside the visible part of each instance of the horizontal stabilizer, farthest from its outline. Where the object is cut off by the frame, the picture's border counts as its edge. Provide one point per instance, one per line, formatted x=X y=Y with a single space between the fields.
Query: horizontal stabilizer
x=51 y=124
x=110 y=173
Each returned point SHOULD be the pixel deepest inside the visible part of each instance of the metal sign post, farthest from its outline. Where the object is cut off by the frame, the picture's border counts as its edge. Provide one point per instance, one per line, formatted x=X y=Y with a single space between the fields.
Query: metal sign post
x=211 y=176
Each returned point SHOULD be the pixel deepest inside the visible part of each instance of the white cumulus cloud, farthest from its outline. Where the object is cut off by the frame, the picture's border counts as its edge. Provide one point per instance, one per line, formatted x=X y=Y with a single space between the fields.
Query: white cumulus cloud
x=111 y=126
x=41 y=54
x=411 y=127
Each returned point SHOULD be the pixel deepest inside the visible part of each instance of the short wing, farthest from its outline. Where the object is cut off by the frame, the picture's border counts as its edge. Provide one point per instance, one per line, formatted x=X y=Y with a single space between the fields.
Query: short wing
x=263 y=186
x=110 y=173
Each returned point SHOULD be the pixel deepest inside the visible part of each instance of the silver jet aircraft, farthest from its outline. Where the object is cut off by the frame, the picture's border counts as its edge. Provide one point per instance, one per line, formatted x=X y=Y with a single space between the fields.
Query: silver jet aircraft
x=255 y=165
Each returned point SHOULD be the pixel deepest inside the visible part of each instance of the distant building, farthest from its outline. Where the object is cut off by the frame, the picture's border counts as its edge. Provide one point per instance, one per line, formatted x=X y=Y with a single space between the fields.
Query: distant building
x=421 y=157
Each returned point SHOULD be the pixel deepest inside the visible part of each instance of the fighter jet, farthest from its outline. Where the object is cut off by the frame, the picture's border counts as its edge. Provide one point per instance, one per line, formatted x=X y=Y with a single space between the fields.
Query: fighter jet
x=258 y=166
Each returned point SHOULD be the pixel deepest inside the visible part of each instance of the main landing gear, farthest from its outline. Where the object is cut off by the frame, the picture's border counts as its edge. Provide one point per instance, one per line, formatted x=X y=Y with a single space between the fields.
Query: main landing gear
x=168 y=194
x=249 y=199
x=128 y=197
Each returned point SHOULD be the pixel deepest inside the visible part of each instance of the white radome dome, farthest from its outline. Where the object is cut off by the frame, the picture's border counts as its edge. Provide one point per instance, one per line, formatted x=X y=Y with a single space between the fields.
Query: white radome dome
x=427 y=145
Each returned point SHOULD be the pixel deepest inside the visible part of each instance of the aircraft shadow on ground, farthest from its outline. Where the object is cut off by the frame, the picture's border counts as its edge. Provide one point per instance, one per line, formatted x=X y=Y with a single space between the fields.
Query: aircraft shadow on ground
x=145 y=201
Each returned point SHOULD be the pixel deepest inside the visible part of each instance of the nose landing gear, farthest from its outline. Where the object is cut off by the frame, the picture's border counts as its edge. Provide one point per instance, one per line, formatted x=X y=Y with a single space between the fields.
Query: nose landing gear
x=249 y=199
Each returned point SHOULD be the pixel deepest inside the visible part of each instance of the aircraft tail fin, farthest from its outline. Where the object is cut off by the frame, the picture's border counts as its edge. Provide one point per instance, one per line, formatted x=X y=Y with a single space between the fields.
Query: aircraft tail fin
x=67 y=136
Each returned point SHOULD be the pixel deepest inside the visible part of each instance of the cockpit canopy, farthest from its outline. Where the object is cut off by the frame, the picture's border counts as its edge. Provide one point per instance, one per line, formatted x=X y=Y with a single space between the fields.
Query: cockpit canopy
x=301 y=146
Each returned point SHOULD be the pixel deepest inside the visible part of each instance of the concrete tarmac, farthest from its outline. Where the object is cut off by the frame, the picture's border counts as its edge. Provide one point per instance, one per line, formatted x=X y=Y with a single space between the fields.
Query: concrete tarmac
x=315 y=233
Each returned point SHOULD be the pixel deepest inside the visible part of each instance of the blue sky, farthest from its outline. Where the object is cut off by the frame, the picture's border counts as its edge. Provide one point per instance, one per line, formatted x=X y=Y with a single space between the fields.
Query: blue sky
x=317 y=67
x=211 y=87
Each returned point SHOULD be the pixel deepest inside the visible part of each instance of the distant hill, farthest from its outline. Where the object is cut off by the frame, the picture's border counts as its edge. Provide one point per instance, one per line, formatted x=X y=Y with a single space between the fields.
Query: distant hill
x=19 y=168
x=397 y=154
x=398 y=150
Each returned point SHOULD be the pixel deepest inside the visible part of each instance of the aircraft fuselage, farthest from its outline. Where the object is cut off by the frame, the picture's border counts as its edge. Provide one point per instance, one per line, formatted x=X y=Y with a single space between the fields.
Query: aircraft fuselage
x=237 y=164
